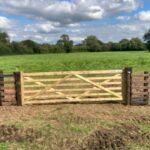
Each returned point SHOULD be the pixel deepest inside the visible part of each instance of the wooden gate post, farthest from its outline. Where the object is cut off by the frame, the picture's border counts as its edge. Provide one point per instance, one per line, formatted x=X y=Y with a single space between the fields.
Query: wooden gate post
x=127 y=86
x=146 y=88
x=19 y=88
x=1 y=88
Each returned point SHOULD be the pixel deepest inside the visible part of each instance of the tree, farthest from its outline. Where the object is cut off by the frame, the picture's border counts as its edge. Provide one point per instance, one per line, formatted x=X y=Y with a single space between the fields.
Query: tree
x=147 y=39
x=4 y=38
x=20 y=48
x=136 y=44
x=5 y=49
x=93 y=44
x=65 y=43
x=124 y=44
x=32 y=45
x=80 y=48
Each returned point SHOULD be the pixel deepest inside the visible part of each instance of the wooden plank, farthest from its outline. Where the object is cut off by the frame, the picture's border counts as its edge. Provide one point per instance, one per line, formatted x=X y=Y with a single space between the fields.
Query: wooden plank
x=7 y=82
x=73 y=95
x=10 y=91
x=99 y=86
x=8 y=75
x=73 y=90
x=72 y=72
x=71 y=101
x=73 y=79
x=7 y=88
x=73 y=84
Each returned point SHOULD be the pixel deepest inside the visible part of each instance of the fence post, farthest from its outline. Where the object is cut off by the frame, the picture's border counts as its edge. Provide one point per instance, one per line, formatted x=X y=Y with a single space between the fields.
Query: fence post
x=19 y=88
x=146 y=88
x=127 y=86
x=1 y=88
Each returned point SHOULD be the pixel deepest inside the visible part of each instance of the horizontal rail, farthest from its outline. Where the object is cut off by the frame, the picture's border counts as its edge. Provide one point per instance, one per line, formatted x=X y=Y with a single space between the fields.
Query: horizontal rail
x=71 y=101
x=72 y=72
x=73 y=84
x=73 y=79
x=74 y=90
x=73 y=95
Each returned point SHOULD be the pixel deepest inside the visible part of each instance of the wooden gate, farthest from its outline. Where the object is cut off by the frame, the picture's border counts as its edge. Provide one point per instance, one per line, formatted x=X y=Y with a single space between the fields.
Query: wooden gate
x=71 y=86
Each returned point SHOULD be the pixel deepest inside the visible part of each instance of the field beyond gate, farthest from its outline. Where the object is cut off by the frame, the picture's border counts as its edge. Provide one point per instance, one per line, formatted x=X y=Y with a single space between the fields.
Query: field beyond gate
x=71 y=86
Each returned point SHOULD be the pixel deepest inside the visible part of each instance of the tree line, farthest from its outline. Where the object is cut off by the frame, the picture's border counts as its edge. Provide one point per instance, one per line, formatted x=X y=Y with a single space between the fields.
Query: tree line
x=65 y=45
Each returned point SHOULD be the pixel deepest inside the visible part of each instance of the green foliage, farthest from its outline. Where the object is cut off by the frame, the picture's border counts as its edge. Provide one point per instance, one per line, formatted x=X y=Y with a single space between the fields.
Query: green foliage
x=136 y=44
x=5 y=49
x=147 y=39
x=20 y=48
x=93 y=44
x=65 y=43
x=4 y=38
x=124 y=44
x=36 y=48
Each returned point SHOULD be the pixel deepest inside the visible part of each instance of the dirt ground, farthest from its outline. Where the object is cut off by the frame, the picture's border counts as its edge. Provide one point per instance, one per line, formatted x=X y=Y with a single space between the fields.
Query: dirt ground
x=75 y=127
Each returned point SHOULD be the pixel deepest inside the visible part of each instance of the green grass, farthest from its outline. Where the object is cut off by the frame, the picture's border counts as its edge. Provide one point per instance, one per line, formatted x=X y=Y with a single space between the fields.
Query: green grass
x=80 y=130
x=140 y=61
x=3 y=146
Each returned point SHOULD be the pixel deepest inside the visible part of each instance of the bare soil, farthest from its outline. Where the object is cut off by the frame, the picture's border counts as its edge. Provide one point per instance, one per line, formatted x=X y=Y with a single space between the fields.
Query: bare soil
x=12 y=133
x=75 y=127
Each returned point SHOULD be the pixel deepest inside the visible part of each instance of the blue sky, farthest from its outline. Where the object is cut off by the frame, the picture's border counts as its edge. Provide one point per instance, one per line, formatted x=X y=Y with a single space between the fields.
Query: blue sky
x=46 y=20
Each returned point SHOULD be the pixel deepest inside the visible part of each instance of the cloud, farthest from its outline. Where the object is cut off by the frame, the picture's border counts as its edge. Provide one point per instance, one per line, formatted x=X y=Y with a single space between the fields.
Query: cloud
x=52 y=18
x=5 y=23
x=47 y=27
x=124 y=18
x=144 y=16
x=67 y=12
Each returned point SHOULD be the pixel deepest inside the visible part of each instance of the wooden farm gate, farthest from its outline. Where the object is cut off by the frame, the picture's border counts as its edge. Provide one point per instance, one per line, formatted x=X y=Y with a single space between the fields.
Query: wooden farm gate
x=71 y=86
x=7 y=89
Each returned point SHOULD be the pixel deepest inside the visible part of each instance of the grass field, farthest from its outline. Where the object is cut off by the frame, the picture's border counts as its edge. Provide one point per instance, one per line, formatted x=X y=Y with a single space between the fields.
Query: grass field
x=75 y=127
x=140 y=61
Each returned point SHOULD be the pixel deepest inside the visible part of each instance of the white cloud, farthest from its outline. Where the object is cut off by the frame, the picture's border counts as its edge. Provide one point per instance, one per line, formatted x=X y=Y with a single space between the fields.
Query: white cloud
x=124 y=18
x=5 y=23
x=144 y=16
x=67 y=12
x=47 y=27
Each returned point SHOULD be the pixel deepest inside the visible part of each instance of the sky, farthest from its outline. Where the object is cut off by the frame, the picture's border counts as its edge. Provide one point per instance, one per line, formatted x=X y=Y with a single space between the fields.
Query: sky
x=45 y=21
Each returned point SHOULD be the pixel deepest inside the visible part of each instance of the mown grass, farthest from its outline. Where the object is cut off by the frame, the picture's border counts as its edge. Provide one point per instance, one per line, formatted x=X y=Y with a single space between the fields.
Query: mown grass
x=140 y=61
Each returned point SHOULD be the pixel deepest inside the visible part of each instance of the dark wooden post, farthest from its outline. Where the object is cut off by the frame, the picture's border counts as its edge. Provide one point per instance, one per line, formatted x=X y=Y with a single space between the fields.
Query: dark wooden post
x=146 y=88
x=127 y=86
x=1 y=88
x=19 y=88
